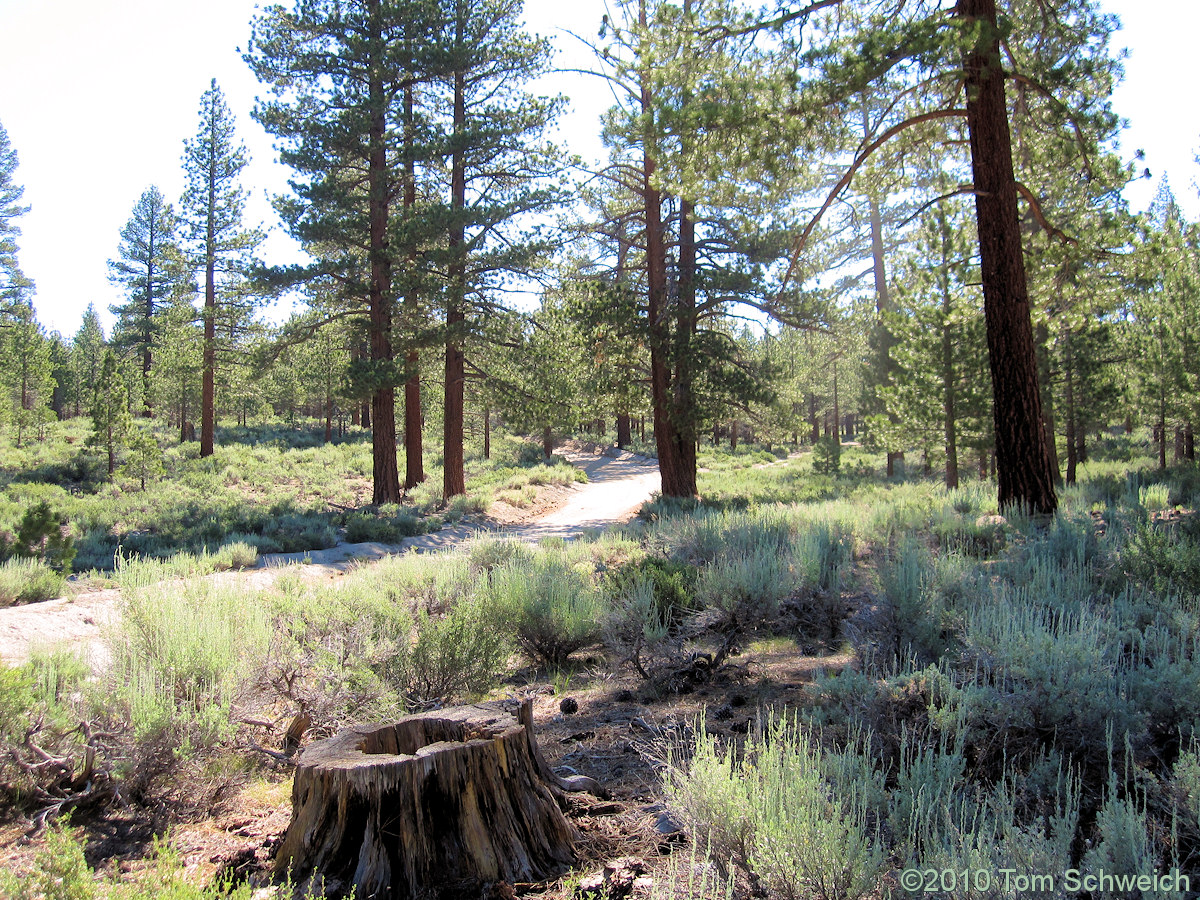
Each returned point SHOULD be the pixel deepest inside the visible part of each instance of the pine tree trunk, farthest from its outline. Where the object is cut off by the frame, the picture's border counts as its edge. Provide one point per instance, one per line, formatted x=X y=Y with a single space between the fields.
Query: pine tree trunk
x=1022 y=460
x=837 y=409
x=949 y=387
x=1161 y=430
x=676 y=480
x=683 y=406
x=414 y=451
x=355 y=408
x=1042 y=345
x=884 y=339
x=385 y=473
x=414 y=455
x=1189 y=442
x=438 y=804
x=487 y=432
x=547 y=442
x=453 y=477
x=148 y=333
x=624 y=435
x=208 y=417
x=1072 y=423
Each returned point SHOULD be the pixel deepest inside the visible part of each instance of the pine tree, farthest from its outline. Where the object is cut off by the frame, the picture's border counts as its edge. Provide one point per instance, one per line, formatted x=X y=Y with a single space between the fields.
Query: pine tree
x=339 y=73
x=87 y=356
x=952 y=60
x=499 y=163
x=179 y=338
x=213 y=204
x=1165 y=325
x=700 y=237
x=14 y=285
x=144 y=459
x=149 y=268
x=939 y=401
x=110 y=413
x=27 y=377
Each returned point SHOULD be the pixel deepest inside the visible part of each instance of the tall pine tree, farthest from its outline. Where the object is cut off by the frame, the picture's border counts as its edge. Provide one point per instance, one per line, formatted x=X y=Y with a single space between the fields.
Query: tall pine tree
x=13 y=283
x=499 y=160
x=213 y=204
x=339 y=74
x=149 y=268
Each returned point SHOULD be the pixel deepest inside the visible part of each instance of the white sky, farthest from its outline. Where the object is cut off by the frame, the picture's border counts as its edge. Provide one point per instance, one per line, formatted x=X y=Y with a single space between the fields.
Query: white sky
x=98 y=96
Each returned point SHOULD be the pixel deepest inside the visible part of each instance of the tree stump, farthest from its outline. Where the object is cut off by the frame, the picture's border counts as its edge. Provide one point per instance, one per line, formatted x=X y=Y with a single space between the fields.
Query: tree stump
x=431 y=806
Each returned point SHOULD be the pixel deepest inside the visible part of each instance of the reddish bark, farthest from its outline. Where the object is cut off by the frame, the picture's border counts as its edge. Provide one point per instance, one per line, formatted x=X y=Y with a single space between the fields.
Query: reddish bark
x=678 y=479
x=453 y=478
x=414 y=456
x=624 y=432
x=1022 y=459
x=385 y=473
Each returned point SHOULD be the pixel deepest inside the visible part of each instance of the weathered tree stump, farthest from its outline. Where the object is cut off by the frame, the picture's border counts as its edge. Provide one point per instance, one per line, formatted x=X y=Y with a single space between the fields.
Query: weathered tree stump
x=431 y=806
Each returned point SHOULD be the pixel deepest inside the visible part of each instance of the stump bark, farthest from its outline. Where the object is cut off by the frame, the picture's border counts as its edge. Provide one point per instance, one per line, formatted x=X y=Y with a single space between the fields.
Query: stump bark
x=433 y=805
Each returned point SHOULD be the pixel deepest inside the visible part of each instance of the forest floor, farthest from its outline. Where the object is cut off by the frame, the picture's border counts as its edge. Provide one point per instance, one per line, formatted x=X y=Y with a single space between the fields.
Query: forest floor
x=619 y=732
x=610 y=725
x=618 y=483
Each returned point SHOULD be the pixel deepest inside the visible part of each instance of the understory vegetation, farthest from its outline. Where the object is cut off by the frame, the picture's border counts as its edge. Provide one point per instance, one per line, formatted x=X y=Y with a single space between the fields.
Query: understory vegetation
x=271 y=489
x=1022 y=695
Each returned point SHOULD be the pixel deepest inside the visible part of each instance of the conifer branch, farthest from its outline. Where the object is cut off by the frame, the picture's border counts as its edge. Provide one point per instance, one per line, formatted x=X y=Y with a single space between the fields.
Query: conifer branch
x=1036 y=208
x=844 y=182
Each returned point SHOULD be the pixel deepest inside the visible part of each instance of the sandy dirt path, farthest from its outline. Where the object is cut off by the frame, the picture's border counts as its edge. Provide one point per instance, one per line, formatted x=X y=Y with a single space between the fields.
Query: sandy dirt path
x=617 y=485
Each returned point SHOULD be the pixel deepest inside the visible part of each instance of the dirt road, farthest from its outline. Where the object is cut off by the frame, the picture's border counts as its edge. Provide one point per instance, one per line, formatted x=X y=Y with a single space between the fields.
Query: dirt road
x=617 y=486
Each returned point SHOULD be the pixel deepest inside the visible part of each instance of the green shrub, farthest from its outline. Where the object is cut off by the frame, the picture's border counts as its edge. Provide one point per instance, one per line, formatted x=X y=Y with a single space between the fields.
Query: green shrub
x=60 y=872
x=234 y=555
x=670 y=584
x=1156 y=497
x=1070 y=541
x=180 y=655
x=452 y=656
x=529 y=453
x=28 y=581
x=820 y=555
x=775 y=813
x=918 y=614
x=41 y=705
x=747 y=589
x=1184 y=792
x=337 y=652
x=659 y=507
x=42 y=535
x=548 y=606
x=488 y=553
x=389 y=525
x=1037 y=673
x=983 y=536
x=711 y=535
x=295 y=532
x=1124 y=845
x=635 y=628
x=1163 y=559
x=827 y=455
